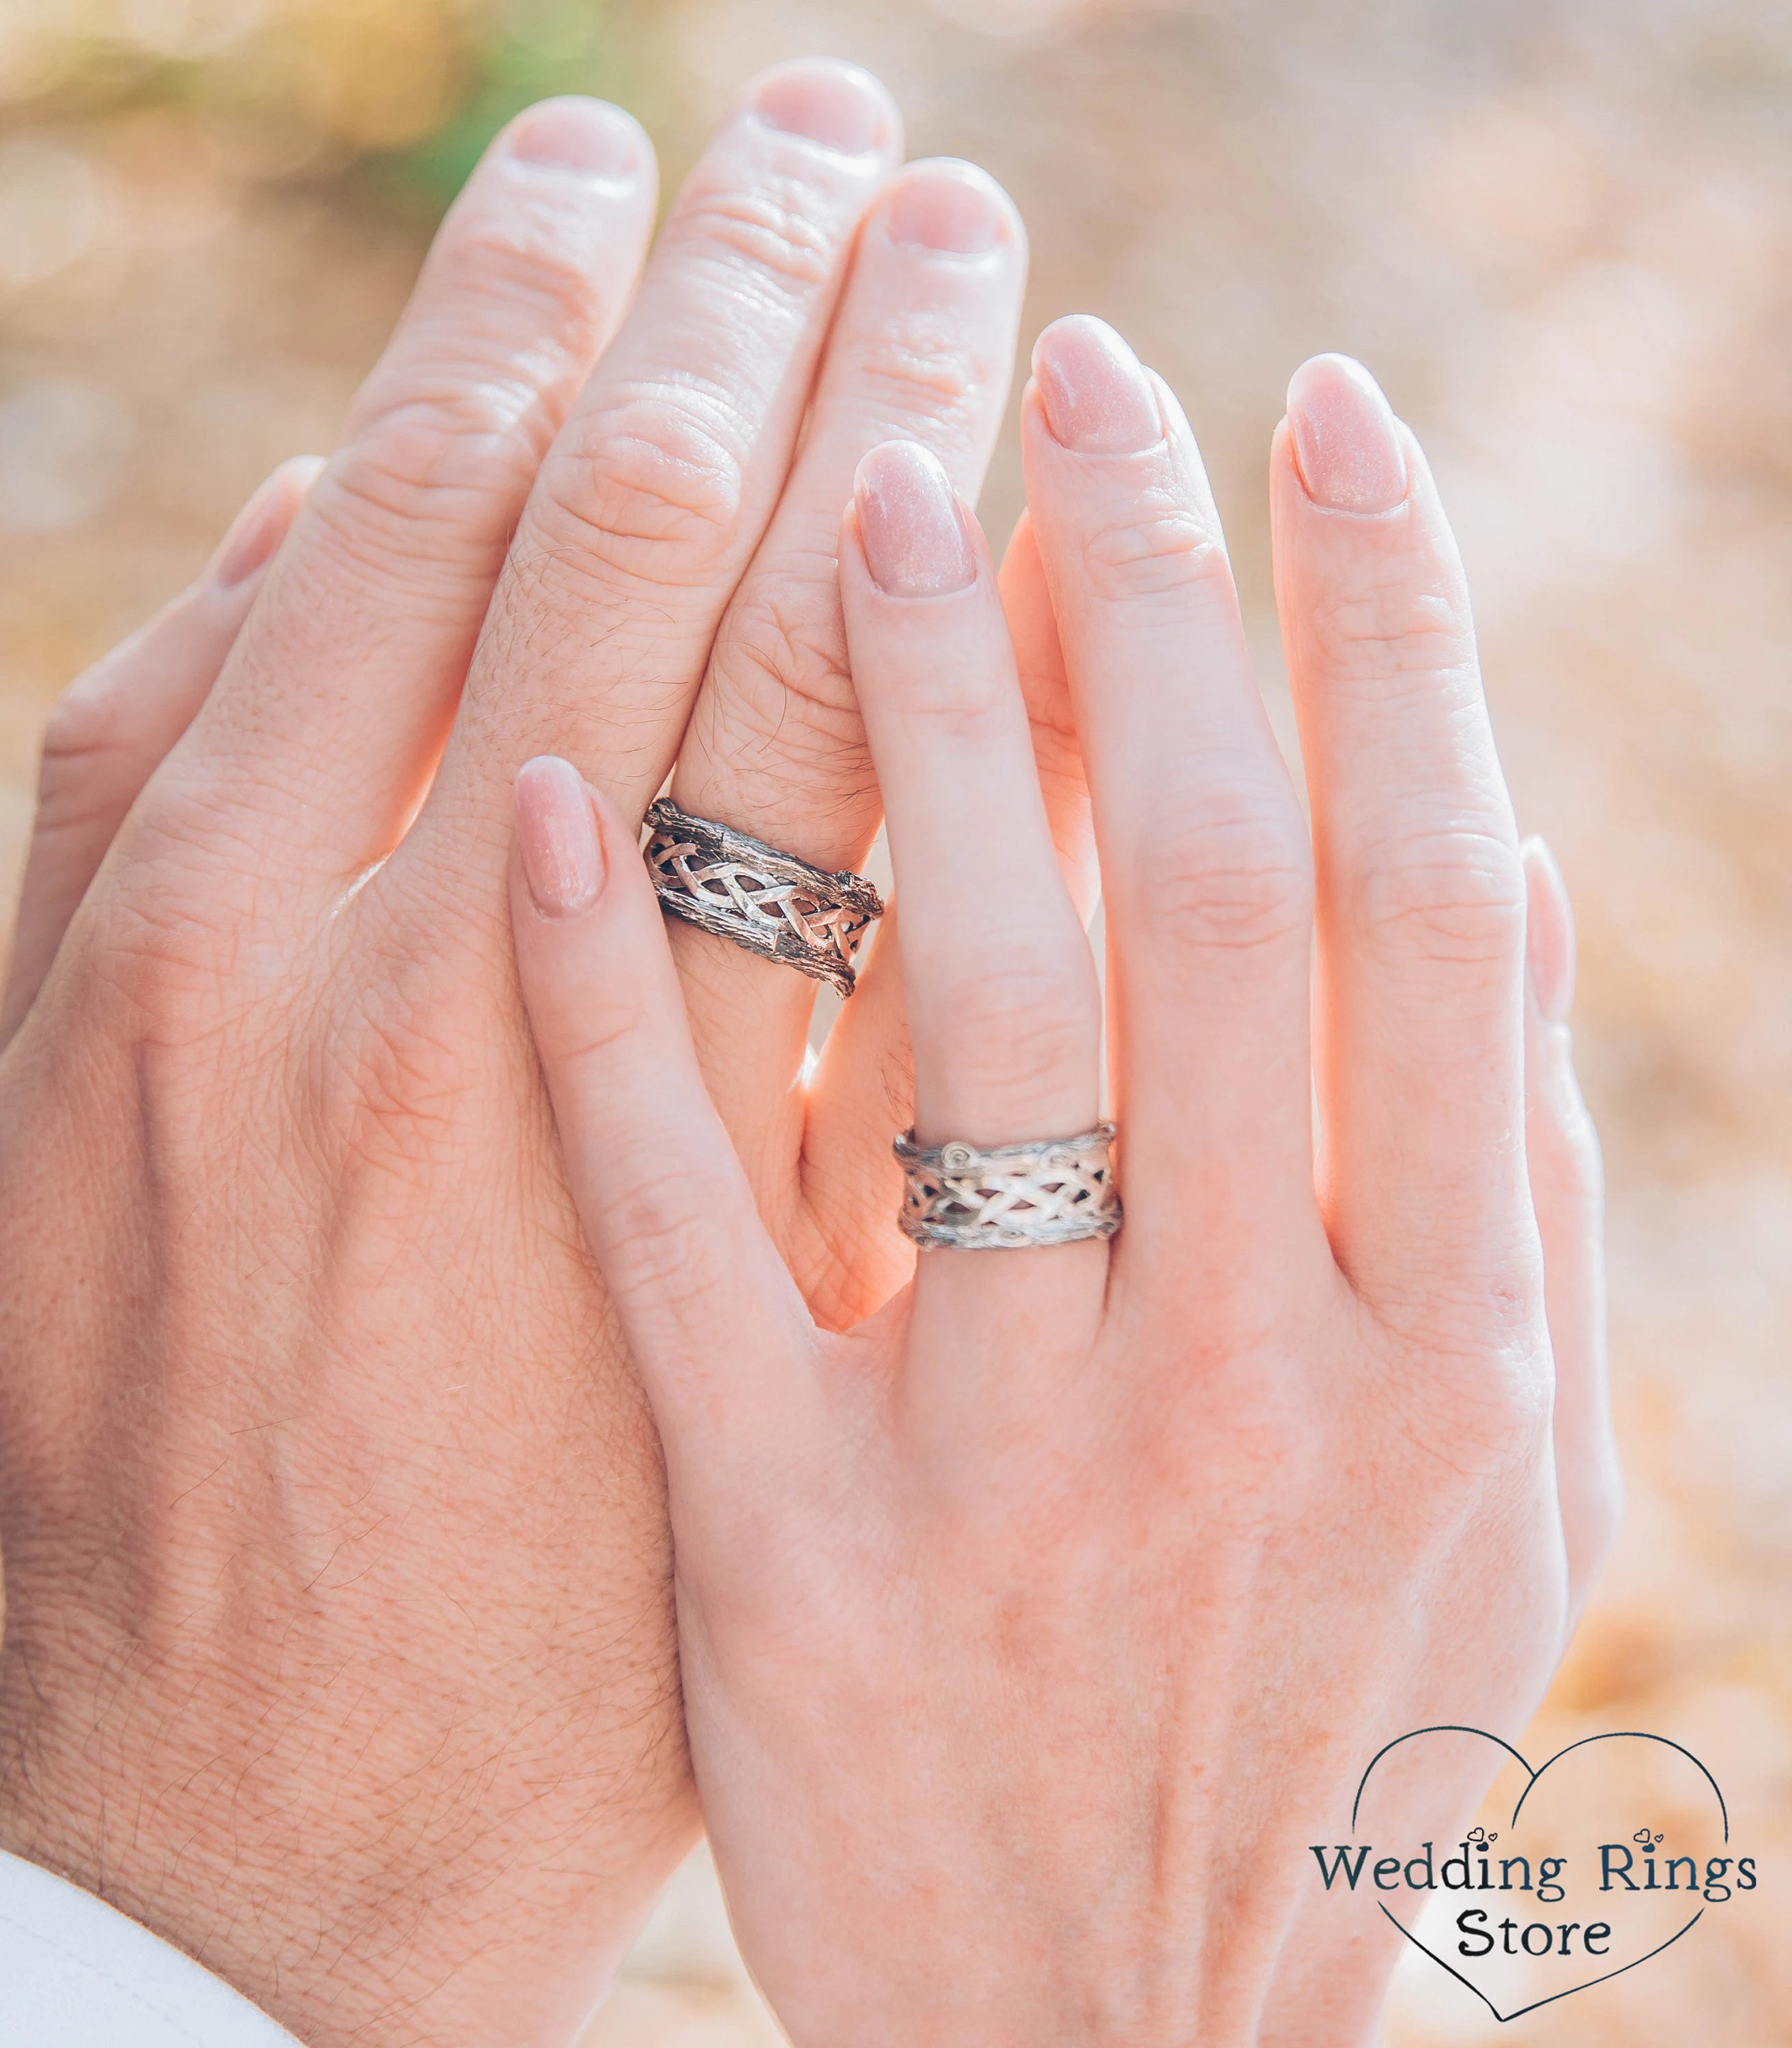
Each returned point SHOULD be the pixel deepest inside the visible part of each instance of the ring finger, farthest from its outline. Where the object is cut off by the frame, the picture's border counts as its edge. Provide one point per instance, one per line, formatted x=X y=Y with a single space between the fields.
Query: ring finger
x=1004 y=1011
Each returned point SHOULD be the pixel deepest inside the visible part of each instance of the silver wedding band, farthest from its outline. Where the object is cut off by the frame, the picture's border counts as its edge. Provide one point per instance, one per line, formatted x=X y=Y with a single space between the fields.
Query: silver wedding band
x=1009 y=1197
x=729 y=883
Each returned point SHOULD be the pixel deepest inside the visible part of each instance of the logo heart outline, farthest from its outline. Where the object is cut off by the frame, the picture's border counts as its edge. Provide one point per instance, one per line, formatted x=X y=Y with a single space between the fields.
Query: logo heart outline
x=1532 y=1777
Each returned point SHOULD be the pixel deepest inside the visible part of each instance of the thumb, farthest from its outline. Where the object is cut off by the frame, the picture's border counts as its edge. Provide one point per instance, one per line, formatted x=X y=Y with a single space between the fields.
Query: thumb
x=723 y=1344
x=114 y=725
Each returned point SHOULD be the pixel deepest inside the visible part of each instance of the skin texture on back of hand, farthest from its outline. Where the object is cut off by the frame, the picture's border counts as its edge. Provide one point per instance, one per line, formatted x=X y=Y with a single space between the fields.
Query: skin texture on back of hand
x=339 y=1644
x=1030 y=1631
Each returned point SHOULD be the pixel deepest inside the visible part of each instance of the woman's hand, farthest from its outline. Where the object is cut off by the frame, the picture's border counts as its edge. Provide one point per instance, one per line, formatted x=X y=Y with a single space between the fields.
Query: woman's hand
x=1031 y=1630
x=338 y=1634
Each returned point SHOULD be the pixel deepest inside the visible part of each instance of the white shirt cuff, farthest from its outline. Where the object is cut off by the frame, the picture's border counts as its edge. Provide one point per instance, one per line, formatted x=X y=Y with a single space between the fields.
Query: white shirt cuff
x=74 y=1973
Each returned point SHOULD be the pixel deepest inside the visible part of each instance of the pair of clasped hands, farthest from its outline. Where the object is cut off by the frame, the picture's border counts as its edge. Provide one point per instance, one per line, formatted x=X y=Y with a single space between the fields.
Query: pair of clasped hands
x=468 y=1415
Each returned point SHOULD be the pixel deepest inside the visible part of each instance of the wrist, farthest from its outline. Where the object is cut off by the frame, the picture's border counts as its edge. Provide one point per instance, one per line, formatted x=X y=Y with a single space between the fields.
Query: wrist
x=343 y=1869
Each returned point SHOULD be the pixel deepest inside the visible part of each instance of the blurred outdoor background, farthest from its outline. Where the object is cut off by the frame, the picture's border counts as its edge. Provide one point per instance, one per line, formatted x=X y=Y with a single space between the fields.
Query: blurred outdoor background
x=1559 y=230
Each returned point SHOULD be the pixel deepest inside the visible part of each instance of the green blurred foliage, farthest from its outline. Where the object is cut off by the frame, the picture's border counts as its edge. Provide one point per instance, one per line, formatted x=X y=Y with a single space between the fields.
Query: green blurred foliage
x=514 y=55
x=399 y=95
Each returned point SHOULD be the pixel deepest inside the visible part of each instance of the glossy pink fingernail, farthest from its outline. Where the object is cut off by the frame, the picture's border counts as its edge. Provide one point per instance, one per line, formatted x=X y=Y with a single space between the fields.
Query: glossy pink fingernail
x=909 y=519
x=1347 y=444
x=1098 y=399
x=260 y=527
x=949 y=208
x=837 y=105
x=1549 y=932
x=556 y=835
x=588 y=136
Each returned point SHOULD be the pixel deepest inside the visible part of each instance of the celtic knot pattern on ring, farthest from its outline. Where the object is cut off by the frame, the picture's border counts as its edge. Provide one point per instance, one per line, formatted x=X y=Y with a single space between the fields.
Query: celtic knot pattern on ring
x=1053 y=1191
x=735 y=885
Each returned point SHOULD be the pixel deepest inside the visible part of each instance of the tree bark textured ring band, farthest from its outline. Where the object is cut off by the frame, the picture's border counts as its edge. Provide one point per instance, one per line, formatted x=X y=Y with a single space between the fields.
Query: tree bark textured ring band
x=729 y=883
x=1051 y=1191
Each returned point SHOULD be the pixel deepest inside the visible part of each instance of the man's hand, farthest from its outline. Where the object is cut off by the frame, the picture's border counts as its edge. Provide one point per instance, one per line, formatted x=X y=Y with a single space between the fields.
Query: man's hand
x=339 y=1638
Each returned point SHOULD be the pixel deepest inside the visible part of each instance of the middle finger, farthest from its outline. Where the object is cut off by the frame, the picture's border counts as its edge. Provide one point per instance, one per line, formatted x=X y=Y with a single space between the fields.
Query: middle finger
x=651 y=501
x=1002 y=993
x=922 y=349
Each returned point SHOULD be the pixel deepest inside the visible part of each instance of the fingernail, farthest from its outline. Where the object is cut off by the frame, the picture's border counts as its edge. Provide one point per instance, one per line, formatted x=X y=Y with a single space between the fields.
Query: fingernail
x=260 y=527
x=1098 y=399
x=1347 y=446
x=949 y=208
x=588 y=136
x=562 y=860
x=1549 y=933
x=837 y=105
x=909 y=519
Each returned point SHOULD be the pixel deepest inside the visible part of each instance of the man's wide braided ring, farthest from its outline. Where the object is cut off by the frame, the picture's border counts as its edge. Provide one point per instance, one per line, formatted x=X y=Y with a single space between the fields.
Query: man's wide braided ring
x=770 y=902
x=1053 y=1191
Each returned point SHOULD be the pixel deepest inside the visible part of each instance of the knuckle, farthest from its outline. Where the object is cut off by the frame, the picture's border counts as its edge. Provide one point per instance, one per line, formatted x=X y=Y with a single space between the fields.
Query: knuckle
x=1473 y=1387
x=167 y=968
x=1157 y=546
x=196 y=885
x=1479 y=1420
x=782 y=651
x=1391 y=621
x=920 y=368
x=772 y=240
x=522 y=278
x=451 y=433
x=1454 y=898
x=434 y=467
x=651 y=488
x=1236 y=882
